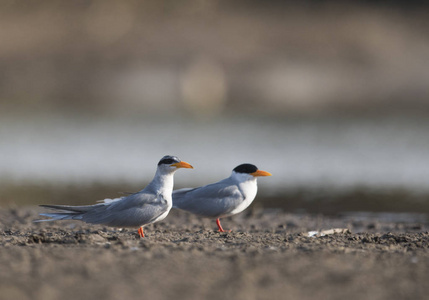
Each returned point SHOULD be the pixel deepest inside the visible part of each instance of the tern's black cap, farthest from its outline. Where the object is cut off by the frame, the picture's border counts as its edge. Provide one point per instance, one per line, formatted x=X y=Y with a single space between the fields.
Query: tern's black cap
x=168 y=160
x=245 y=168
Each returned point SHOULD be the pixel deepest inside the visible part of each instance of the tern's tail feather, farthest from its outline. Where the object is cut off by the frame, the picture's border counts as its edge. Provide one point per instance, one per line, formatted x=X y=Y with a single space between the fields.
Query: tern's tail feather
x=59 y=216
x=66 y=212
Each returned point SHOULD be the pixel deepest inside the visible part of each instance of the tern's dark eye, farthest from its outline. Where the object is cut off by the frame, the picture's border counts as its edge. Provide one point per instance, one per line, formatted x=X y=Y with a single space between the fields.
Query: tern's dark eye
x=246 y=168
x=168 y=160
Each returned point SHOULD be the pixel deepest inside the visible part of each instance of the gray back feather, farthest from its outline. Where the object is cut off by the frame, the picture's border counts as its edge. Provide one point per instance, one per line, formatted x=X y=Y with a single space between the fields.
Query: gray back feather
x=213 y=200
x=130 y=211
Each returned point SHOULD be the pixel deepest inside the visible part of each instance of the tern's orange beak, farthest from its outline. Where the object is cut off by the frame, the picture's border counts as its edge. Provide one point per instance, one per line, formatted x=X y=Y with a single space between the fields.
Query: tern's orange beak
x=260 y=173
x=182 y=164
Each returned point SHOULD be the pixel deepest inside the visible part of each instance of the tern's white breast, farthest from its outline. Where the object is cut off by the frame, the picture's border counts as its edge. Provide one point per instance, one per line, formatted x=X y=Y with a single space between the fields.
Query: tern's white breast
x=248 y=189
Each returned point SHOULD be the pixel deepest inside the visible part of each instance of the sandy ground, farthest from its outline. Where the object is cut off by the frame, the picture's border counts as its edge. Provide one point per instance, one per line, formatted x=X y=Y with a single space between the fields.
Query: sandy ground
x=268 y=255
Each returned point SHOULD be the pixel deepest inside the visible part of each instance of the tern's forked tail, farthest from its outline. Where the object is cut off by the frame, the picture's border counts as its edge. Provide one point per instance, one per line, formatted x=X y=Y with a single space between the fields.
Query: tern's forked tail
x=65 y=212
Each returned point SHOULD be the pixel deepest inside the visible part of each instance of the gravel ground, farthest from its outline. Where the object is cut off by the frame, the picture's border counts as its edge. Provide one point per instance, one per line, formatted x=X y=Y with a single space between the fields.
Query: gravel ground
x=267 y=255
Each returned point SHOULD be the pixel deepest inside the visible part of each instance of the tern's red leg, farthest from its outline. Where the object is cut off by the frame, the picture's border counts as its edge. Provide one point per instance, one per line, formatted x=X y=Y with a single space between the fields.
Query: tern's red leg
x=140 y=231
x=220 y=226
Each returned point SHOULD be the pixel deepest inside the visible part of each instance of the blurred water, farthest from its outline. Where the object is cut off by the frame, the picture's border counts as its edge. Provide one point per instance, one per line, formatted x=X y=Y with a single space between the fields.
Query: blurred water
x=333 y=152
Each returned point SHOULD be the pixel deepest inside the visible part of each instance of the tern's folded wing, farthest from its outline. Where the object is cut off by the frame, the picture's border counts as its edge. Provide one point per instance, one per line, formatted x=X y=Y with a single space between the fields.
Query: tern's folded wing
x=133 y=210
x=213 y=200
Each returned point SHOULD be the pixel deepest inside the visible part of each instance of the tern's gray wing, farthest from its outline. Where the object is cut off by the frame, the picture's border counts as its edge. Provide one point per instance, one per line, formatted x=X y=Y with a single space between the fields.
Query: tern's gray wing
x=134 y=210
x=131 y=211
x=213 y=200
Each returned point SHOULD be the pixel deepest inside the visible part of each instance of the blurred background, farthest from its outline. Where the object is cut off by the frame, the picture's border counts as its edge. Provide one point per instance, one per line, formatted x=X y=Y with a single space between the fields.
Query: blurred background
x=330 y=97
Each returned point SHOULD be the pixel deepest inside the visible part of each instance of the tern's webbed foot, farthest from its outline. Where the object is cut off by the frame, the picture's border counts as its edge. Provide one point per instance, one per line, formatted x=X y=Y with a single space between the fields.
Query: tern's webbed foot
x=220 y=226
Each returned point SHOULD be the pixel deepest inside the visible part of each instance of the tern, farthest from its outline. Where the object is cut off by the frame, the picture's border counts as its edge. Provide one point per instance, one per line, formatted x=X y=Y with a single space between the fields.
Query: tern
x=225 y=198
x=150 y=205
